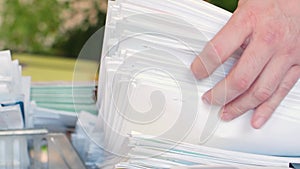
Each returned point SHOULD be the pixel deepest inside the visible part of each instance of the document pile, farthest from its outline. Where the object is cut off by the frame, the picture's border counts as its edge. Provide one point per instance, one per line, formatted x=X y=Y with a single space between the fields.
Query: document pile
x=14 y=105
x=65 y=96
x=55 y=106
x=145 y=81
x=146 y=86
x=151 y=152
x=22 y=148
x=14 y=93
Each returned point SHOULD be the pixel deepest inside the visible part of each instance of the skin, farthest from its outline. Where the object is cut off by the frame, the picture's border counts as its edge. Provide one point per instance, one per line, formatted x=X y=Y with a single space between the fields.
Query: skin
x=268 y=32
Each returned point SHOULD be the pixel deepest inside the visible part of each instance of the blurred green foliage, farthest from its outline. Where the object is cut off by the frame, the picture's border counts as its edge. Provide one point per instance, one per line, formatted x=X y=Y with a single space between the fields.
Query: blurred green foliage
x=73 y=40
x=29 y=27
x=54 y=27
x=229 y=5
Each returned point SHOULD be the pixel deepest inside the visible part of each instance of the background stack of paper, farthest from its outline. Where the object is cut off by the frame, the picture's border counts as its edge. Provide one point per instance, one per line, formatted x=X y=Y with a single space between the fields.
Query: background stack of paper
x=146 y=84
x=56 y=106
x=14 y=93
x=14 y=106
x=65 y=96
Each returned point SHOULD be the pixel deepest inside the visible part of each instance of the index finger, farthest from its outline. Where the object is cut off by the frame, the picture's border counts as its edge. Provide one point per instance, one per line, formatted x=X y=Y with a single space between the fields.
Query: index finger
x=223 y=45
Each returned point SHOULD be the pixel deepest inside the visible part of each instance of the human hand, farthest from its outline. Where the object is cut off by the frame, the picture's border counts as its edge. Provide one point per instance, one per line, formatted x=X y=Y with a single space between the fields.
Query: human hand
x=269 y=33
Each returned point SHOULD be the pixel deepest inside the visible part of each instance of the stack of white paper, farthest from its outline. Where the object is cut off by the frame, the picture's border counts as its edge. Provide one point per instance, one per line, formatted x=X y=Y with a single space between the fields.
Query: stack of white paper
x=146 y=84
x=152 y=152
x=14 y=105
x=65 y=96
x=56 y=106
x=14 y=93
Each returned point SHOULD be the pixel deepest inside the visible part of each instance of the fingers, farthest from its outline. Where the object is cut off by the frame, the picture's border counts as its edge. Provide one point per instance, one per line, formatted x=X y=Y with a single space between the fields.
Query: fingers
x=229 y=39
x=265 y=110
x=242 y=75
x=260 y=91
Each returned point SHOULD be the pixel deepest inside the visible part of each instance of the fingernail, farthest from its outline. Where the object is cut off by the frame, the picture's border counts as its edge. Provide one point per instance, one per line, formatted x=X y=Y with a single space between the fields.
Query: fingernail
x=259 y=122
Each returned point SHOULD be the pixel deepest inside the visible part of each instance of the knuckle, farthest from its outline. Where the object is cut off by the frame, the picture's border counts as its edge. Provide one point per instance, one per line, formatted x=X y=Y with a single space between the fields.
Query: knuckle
x=284 y=88
x=262 y=94
x=219 y=101
x=291 y=79
x=234 y=110
x=240 y=84
x=272 y=33
x=268 y=109
x=271 y=36
x=245 y=17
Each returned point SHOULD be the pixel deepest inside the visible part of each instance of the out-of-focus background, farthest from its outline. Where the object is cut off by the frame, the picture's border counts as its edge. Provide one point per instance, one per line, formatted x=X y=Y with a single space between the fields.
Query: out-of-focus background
x=47 y=35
